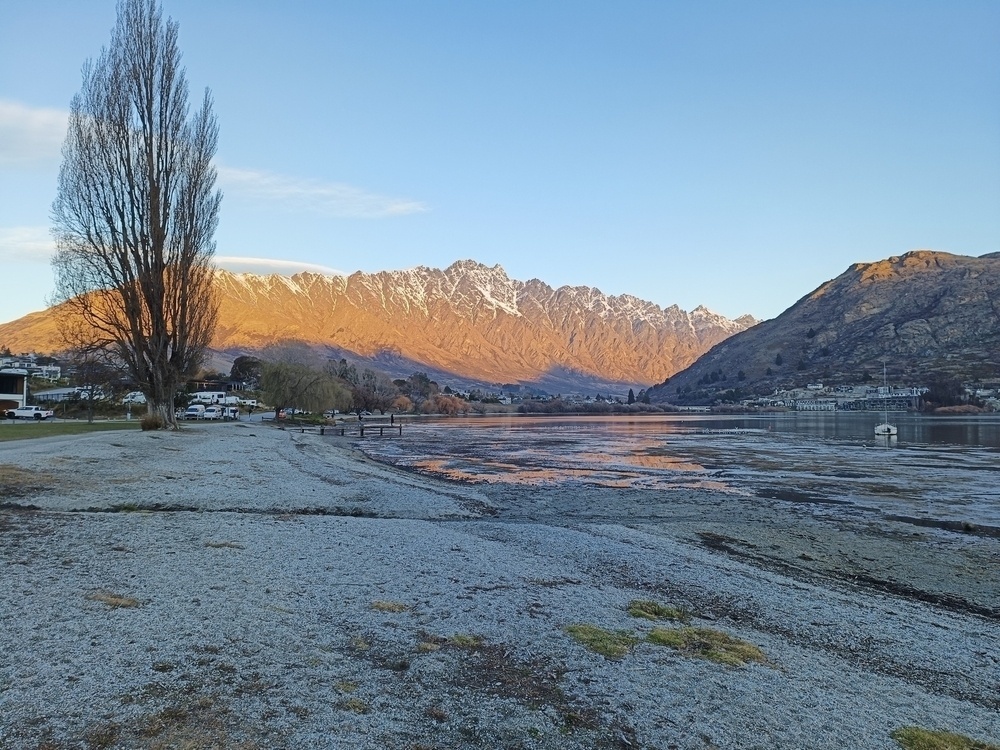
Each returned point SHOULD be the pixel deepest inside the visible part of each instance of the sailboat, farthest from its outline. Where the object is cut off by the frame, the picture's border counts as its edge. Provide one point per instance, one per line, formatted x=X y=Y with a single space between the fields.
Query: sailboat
x=885 y=429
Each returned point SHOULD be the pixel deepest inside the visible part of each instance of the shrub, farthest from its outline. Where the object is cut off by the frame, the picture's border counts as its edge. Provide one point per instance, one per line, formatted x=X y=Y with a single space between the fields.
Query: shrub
x=151 y=422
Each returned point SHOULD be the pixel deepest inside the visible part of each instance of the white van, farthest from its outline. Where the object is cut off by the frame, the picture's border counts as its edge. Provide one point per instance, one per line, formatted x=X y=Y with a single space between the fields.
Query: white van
x=209 y=397
x=194 y=411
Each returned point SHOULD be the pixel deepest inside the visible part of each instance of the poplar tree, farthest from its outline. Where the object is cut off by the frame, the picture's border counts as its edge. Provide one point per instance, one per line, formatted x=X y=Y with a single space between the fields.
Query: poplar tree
x=136 y=208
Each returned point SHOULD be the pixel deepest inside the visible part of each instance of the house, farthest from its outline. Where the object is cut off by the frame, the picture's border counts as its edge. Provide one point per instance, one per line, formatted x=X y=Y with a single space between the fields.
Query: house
x=816 y=404
x=13 y=388
x=55 y=395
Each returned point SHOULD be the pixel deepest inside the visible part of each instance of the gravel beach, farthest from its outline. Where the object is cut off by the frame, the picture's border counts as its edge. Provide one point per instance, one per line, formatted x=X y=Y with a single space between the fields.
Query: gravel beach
x=241 y=586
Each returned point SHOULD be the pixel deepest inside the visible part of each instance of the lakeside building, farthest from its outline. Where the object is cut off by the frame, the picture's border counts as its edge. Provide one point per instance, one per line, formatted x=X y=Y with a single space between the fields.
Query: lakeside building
x=58 y=395
x=13 y=388
x=816 y=404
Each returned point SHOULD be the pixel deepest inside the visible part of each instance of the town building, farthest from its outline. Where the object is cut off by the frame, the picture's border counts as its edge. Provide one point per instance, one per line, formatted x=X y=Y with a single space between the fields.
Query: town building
x=13 y=388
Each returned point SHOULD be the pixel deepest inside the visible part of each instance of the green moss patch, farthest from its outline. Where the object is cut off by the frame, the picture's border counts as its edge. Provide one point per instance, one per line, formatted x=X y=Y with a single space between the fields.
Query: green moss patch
x=708 y=644
x=611 y=644
x=650 y=610
x=915 y=738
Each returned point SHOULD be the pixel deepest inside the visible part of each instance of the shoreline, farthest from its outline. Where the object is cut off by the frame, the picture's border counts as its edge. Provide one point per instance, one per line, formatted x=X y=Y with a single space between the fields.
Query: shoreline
x=311 y=597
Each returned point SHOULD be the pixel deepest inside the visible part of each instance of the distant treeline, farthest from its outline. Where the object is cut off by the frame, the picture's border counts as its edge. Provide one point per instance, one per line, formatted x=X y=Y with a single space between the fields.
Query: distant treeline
x=559 y=406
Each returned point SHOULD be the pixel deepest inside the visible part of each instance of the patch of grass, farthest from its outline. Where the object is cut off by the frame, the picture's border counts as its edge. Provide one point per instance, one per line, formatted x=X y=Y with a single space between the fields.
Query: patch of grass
x=25 y=430
x=115 y=601
x=709 y=644
x=18 y=482
x=346 y=687
x=356 y=705
x=464 y=640
x=383 y=606
x=191 y=725
x=224 y=545
x=611 y=644
x=650 y=610
x=427 y=647
x=102 y=736
x=436 y=713
x=494 y=670
x=360 y=644
x=915 y=738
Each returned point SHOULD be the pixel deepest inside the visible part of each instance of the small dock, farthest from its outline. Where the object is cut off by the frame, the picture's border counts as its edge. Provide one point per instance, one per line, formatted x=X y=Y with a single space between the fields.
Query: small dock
x=347 y=429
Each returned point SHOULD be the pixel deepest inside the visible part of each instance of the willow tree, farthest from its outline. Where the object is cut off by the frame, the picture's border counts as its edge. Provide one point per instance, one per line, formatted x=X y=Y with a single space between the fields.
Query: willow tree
x=136 y=207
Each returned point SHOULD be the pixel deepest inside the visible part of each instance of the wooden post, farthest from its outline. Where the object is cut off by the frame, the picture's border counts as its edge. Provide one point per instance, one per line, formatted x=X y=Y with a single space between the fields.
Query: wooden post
x=322 y=430
x=362 y=429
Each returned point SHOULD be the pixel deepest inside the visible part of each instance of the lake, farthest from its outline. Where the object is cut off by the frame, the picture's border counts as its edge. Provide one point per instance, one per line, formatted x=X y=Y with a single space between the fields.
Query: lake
x=939 y=470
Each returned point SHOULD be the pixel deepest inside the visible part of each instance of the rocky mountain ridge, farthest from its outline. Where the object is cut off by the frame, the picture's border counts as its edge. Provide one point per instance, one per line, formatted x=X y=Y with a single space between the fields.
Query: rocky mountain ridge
x=469 y=321
x=925 y=313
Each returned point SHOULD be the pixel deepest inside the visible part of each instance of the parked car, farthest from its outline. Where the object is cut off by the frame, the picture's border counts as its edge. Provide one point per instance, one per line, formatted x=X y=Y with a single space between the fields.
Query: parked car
x=194 y=411
x=212 y=412
x=231 y=412
x=30 y=412
x=135 y=397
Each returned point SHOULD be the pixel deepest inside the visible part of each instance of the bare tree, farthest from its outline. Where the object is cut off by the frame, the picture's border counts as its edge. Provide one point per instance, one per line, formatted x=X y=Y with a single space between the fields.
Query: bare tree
x=374 y=391
x=95 y=367
x=136 y=207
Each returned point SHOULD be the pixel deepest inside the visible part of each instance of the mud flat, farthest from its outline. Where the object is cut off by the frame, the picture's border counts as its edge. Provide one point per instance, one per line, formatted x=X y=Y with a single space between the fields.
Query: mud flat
x=239 y=586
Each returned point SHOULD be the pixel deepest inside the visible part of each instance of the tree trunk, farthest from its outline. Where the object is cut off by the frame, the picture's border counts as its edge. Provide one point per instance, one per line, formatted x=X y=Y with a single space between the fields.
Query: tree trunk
x=165 y=409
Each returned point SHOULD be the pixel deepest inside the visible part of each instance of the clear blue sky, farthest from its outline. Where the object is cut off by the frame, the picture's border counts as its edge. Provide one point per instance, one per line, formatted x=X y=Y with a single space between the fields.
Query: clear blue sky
x=728 y=154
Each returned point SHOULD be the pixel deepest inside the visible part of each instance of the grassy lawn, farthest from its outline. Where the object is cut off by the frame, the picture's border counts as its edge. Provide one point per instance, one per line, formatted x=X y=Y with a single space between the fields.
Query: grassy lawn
x=24 y=429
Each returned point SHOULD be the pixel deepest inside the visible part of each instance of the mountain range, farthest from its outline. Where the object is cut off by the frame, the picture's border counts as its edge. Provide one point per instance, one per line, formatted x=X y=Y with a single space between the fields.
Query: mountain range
x=926 y=314
x=468 y=322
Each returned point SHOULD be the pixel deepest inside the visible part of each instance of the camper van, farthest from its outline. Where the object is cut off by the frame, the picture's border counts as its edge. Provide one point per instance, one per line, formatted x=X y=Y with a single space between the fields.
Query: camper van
x=209 y=397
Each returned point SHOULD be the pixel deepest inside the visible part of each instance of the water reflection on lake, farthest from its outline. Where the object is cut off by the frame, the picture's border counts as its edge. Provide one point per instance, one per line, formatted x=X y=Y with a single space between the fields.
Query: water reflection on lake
x=941 y=468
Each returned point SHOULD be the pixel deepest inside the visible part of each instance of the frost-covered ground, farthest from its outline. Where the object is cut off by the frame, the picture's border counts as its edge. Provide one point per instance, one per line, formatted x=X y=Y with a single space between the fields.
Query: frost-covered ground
x=241 y=586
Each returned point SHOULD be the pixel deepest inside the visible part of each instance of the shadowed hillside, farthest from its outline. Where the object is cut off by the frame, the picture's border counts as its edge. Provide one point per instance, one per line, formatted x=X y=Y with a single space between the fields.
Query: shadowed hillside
x=924 y=313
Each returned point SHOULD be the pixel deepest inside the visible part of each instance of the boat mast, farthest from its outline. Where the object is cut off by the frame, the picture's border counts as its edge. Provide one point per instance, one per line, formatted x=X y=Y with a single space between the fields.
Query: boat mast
x=885 y=394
